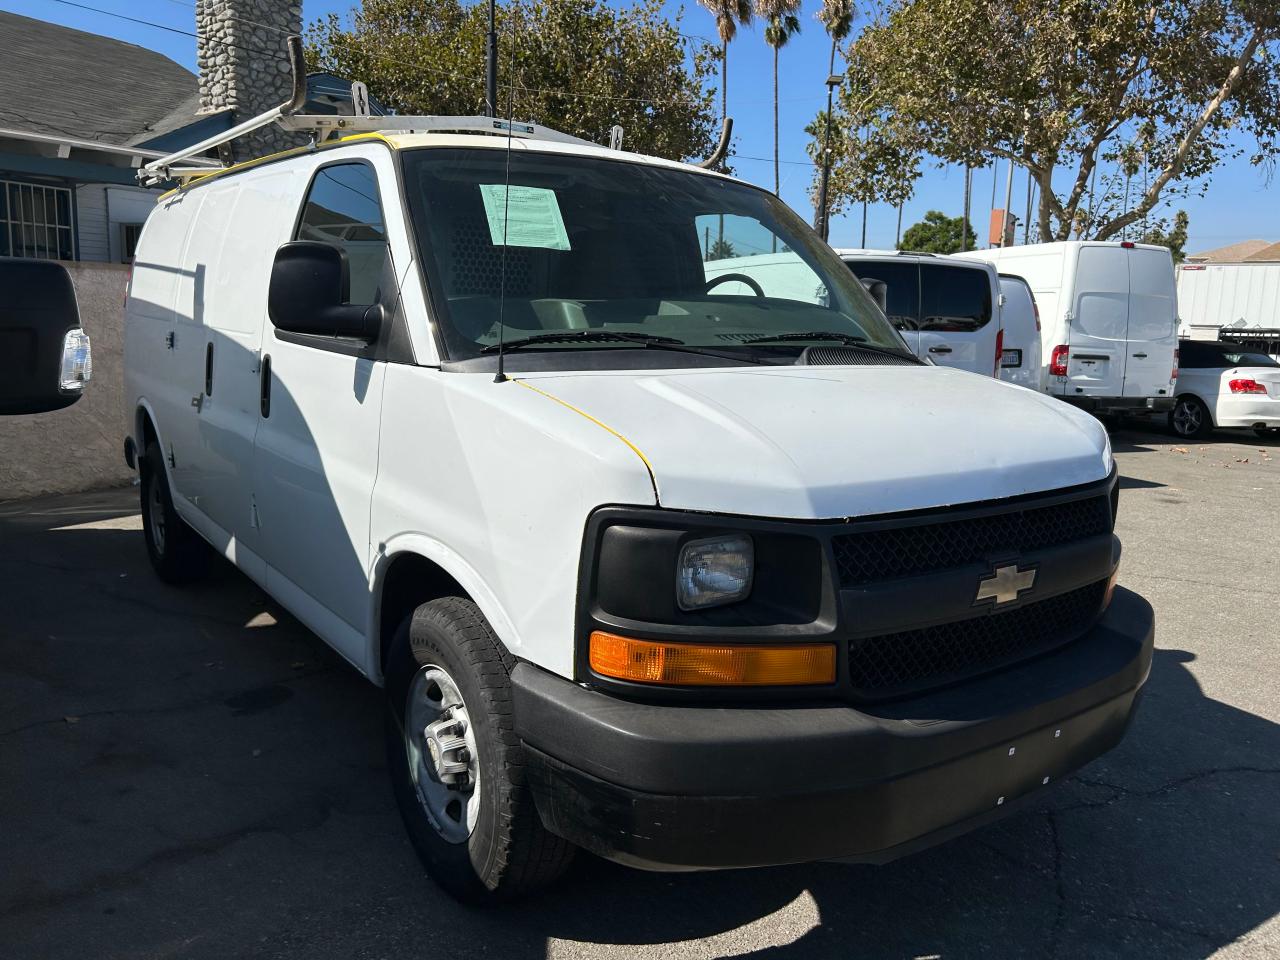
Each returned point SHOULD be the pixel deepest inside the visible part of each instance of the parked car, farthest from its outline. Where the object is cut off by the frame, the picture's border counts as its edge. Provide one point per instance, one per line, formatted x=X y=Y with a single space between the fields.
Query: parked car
x=688 y=574
x=1225 y=385
x=947 y=310
x=45 y=355
x=1020 y=362
x=1109 y=313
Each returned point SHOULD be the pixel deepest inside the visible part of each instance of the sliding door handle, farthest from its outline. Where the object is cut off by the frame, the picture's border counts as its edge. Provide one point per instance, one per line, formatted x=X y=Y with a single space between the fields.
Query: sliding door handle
x=264 y=395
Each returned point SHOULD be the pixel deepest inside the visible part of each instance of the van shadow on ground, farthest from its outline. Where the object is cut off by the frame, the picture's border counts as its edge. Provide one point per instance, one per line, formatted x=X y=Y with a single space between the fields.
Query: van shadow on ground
x=219 y=790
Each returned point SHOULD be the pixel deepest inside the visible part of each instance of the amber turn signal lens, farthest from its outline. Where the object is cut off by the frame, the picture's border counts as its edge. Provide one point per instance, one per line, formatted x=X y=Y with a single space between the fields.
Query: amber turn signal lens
x=711 y=665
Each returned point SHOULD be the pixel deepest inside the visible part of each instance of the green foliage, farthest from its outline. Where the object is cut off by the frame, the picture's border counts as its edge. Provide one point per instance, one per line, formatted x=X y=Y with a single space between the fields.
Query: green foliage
x=1160 y=92
x=721 y=250
x=580 y=66
x=1174 y=238
x=938 y=233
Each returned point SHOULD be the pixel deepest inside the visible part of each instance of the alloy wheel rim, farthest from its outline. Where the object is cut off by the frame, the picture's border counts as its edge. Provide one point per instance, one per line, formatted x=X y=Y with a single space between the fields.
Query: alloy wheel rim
x=440 y=746
x=1186 y=418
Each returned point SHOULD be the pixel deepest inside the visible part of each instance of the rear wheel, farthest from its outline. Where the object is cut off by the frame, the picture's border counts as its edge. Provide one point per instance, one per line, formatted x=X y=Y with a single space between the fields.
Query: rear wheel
x=1190 y=418
x=457 y=766
x=177 y=553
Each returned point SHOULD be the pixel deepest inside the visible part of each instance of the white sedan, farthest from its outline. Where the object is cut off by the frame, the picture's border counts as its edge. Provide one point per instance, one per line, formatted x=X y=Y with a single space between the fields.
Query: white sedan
x=1225 y=385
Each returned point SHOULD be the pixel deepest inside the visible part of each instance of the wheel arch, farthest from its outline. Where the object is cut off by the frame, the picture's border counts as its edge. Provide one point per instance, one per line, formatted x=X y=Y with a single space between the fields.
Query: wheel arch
x=414 y=569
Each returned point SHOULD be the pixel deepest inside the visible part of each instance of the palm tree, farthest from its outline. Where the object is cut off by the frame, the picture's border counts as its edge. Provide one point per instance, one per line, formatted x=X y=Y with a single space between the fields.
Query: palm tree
x=729 y=14
x=837 y=17
x=782 y=24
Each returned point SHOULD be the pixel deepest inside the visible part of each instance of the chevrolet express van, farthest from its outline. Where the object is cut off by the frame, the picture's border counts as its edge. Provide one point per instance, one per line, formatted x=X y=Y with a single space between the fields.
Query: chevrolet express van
x=1110 y=318
x=1020 y=361
x=690 y=578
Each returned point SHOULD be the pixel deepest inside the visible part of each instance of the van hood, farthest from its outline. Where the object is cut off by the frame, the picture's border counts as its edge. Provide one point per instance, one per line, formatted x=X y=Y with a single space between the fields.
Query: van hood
x=833 y=442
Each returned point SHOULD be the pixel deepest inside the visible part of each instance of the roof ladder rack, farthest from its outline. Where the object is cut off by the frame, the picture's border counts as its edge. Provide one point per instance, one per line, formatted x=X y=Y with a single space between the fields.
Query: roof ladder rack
x=322 y=126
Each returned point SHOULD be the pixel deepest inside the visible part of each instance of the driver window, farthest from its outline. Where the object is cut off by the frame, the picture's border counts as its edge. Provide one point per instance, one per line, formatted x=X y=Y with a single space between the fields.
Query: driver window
x=744 y=246
x=343 y=209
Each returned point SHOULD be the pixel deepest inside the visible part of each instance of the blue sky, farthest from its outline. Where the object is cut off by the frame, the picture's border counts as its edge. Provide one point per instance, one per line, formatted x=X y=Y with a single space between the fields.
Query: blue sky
x=1237 y=205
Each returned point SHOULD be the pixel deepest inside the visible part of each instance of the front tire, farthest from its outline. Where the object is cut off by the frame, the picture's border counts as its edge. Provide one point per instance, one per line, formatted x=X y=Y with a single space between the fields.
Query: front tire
x=177 y=553
x=1190 y=418
x=456 y=764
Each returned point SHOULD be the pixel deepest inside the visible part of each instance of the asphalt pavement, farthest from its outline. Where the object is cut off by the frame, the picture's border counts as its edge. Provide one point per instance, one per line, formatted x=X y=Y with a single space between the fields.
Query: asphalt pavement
x=191 y=773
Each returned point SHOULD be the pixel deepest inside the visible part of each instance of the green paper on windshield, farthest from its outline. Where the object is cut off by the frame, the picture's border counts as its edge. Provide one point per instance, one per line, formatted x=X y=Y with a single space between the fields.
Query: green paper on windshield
x=531 y=214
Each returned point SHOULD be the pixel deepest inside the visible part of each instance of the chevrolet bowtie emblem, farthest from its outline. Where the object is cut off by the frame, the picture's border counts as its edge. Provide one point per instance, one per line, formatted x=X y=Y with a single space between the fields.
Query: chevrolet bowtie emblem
x=1005 y=585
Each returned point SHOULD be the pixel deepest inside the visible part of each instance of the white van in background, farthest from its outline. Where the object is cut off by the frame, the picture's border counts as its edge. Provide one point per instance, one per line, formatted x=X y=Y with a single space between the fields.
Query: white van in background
x=1020 y=361
x=948 y=311
x=1109 y=314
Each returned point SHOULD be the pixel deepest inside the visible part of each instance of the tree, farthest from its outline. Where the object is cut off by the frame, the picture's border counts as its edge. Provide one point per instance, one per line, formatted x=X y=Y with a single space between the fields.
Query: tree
x=938 y=233
x=729 y=14
x=580 y=66
x=1067 y=86
x=1175 y=239
x=781 y=23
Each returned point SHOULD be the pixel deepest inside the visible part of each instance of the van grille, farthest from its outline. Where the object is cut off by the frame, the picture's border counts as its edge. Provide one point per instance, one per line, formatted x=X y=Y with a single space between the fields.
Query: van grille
x=907 y=551
x=852 y=357
x=902 y=663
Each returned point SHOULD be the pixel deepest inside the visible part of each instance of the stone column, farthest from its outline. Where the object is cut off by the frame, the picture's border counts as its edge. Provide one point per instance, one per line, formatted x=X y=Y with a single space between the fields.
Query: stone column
x=243 y=64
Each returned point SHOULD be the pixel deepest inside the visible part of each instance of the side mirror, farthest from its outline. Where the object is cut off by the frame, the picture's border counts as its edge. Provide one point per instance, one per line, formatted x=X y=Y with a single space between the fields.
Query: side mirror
x=310 y=283
x=44 y=355
x=879 y=291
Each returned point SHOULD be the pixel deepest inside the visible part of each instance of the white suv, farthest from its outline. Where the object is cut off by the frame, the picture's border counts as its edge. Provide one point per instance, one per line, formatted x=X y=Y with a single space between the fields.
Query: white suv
x=687 y=577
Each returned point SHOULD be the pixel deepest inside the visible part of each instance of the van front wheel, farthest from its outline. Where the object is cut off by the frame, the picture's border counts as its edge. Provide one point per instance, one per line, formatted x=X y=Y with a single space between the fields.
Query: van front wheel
x=456 y=764
x=177 y=553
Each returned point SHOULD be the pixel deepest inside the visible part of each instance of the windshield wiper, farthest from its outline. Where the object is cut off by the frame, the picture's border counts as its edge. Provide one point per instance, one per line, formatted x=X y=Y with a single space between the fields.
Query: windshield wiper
x=652 y=340
x=848 y=339
x=580 y=336
x=809 y=335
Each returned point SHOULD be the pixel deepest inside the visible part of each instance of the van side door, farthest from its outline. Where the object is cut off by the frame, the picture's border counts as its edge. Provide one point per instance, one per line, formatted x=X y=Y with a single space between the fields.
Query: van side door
x=959 y=317
x=228 y=260
x=320 y=405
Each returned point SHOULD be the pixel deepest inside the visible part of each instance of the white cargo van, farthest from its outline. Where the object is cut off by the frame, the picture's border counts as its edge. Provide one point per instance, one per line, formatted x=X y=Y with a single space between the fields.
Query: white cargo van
x=1020 y=320
x=1109 y=315
x=642 y=564
x=947 y=310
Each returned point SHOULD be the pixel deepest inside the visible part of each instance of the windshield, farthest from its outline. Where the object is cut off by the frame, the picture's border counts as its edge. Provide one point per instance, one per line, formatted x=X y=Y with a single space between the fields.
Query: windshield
x=1216 y=356
x=596 y=247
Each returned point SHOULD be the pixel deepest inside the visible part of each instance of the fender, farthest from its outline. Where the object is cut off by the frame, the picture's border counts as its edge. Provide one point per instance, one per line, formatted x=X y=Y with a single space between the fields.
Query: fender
x=450 y=562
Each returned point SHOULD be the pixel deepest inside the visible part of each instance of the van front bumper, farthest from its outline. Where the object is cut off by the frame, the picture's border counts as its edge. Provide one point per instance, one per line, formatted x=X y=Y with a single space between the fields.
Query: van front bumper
x=676 y=787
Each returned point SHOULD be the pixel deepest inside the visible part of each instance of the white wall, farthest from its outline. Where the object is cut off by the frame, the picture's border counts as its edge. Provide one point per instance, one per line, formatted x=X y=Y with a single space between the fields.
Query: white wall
x=1214 y=295
x=101 y=210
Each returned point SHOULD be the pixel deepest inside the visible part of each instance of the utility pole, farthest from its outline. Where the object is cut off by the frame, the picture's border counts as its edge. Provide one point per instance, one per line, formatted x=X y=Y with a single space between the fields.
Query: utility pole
x=491 y=62
x=1026 y=226
x=964 y=227
x=824 y=229
x=1008 y=199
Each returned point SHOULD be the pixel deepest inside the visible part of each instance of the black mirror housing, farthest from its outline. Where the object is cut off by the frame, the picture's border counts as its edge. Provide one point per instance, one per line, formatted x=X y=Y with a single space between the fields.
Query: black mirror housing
x=879 y=291
x=37 y=312
x=310 y=283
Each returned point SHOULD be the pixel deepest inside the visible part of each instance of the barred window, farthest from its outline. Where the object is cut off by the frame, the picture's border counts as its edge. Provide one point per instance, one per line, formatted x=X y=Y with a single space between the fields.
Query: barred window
x=35 y=221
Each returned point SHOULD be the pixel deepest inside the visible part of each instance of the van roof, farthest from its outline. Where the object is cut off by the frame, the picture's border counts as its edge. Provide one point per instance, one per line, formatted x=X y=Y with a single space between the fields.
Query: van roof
x=410 y=141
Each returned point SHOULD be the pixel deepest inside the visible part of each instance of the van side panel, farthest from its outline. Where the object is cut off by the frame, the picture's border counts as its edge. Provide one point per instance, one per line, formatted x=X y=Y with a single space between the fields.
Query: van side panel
x=1153 y=323
x=151 y=342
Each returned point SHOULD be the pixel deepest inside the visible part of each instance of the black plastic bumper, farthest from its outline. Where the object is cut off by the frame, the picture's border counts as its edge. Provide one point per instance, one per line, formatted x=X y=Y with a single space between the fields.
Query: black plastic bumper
x=678 y=787
x=1133 y=406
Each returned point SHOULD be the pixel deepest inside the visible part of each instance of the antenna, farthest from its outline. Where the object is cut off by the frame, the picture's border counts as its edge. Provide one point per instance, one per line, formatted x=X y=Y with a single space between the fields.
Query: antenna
x=501 y=375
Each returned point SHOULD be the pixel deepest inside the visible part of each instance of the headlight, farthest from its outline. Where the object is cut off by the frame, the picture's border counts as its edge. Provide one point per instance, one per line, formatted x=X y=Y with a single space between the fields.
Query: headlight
x=714 y=571
x=77 y=361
